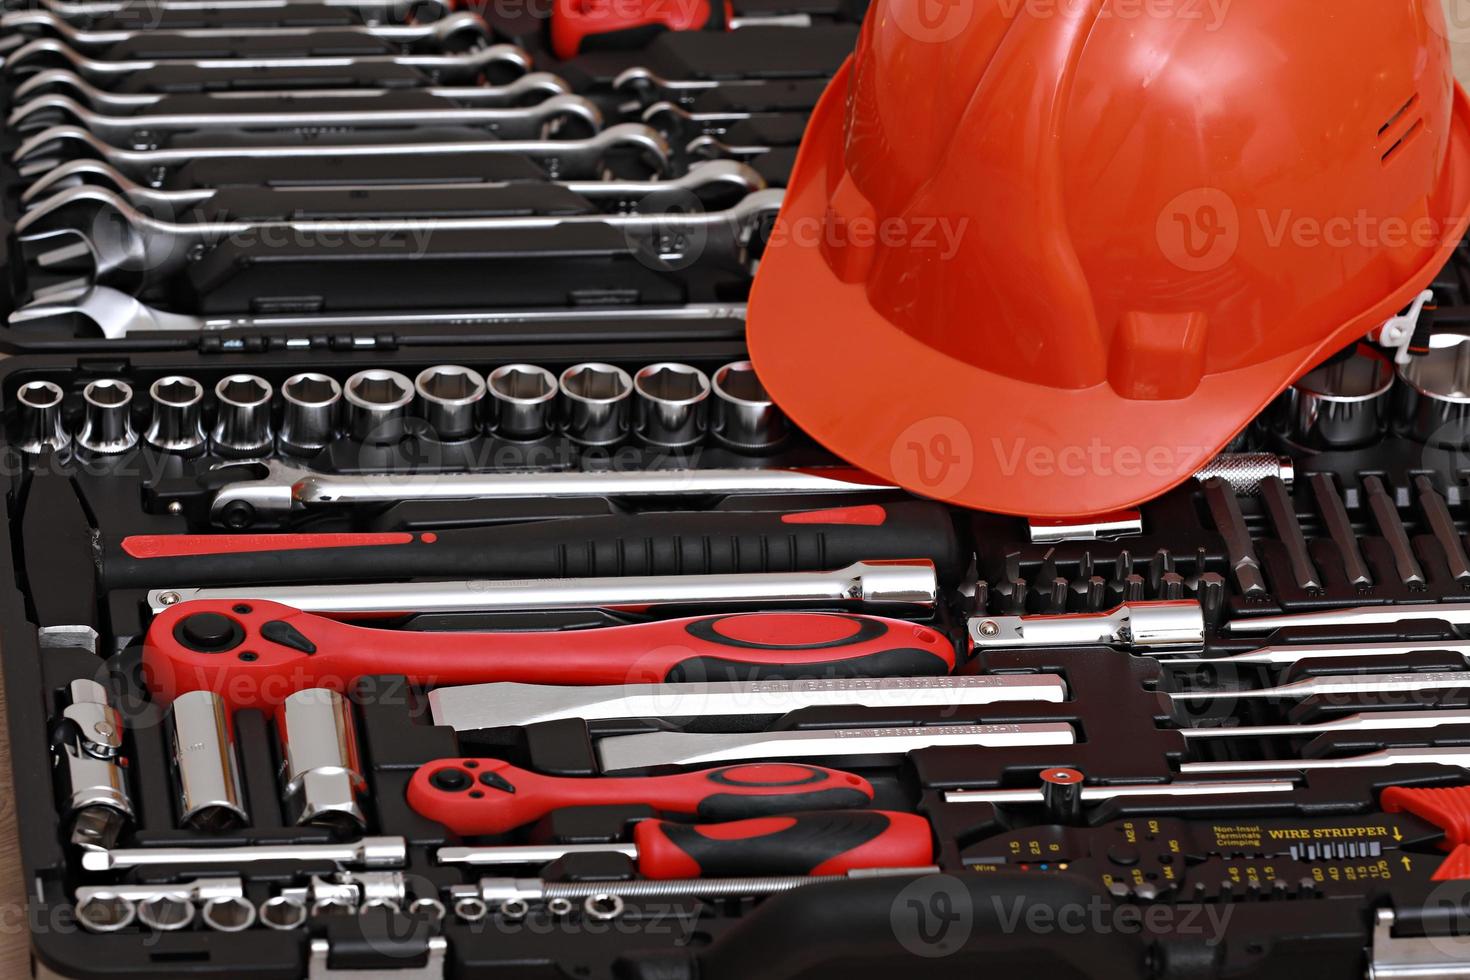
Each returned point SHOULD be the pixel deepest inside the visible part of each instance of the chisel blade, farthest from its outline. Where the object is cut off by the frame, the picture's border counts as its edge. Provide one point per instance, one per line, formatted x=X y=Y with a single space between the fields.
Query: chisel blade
x=685 y=748
x=477 y=706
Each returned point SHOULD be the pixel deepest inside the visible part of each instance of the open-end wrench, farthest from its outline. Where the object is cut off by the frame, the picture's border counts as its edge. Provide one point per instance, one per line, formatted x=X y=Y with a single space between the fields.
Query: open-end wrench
x=1329 y=684
x=1297 y=653
x=45 y=52
x=116 y=315
x=562 y=159
x=540 y=120
x=279 y=488
x=80 y=11
x=476 y=706
x=1385 y=721
x=369 y=852
x=256 y=654
x=461 y=27
x=895 y=582
x=1397 y=756
x=1183 y=789
x=59 y=81
x=715 y=179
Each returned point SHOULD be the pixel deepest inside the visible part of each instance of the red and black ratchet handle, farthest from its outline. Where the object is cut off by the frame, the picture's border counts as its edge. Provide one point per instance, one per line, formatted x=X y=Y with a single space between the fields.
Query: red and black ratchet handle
x=823 y=843
x=580 y=26
x=712 y=543
x=474 y=797
x=254 y=654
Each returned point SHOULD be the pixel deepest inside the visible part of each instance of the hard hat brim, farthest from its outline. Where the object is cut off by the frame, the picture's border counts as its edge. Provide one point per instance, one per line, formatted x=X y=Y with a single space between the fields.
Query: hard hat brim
x=946 y=429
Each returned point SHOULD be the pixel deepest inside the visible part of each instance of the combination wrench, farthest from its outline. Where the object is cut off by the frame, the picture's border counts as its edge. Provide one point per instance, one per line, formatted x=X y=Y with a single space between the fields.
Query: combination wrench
x=81 y=11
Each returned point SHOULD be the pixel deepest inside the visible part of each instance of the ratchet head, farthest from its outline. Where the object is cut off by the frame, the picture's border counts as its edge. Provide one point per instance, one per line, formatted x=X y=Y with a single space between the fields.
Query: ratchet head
x=464 y=28
x=644 y=142
x=253 y=493
x=500 y=62
x=568 y=115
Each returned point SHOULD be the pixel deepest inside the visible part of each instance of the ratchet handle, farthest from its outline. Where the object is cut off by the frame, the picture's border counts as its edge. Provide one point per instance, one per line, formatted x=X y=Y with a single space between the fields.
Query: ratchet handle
x=256 y=653
x=824 y=843
x=472 y=797
x=677 y=543
x=579 y=26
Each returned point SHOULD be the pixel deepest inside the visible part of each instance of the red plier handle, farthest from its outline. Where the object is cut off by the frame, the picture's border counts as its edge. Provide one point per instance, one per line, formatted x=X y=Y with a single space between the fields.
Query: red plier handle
x=254 y=654
x=578 y=26
x=489 y=796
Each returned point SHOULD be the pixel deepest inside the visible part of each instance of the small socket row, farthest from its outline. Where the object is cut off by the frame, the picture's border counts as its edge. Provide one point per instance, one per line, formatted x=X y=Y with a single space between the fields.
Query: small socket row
x=104 y=911
x=666 y=405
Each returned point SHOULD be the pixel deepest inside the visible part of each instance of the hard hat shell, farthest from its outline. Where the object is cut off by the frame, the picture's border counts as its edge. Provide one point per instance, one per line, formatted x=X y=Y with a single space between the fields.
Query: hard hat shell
x=1048 y=257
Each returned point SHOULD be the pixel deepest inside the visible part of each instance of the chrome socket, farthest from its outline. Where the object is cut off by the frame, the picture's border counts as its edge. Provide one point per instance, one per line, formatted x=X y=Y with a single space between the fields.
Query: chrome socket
x=378 y=402
x=449 y=398
x=166 y=913
x=1434 y=400
x=176 y=426
x=310 y=406
x=322 y=771
x=522 y=401
x=205 y=764
x=107 y=421
x=745 y=417
x=105 y=912
x=230 y=914
x=242 y=424
x=595 y=400
x=671 y=405
x=283 y=912
x=1342 y=404
x=41 y=426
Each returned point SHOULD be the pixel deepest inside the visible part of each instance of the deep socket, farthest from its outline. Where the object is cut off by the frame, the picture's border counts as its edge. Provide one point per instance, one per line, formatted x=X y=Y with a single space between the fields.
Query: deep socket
x=243 y=419
x=176 y=426
x=745 y=417
x=230 y=914
x=205 y=764
x=38 y=413
x=107 y=421
x=311 y=403
x=1434 y=400
x=671 y=405
x=449 y=399
x=377 y=405
x=1341 y=404
x=321 y=771
x=595 y=403
x=522 y=401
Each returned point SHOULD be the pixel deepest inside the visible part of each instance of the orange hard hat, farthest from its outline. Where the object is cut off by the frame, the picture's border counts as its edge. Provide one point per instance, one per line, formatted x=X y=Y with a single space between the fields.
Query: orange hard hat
x=1048 y=257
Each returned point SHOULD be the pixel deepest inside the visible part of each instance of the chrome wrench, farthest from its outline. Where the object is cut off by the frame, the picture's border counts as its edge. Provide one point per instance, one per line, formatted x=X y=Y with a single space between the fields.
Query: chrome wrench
x=1454 y=613
x=82 y=10
x=561 y=158
x=1341 y=684
x=369 y=852
x=905 y=583
x=1429 y=756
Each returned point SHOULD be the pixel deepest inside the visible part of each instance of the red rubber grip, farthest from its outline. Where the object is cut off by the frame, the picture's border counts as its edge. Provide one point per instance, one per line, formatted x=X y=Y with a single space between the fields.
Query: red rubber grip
x=254 y=654
x=574 y=22
x=487 y=796
x=828 y=843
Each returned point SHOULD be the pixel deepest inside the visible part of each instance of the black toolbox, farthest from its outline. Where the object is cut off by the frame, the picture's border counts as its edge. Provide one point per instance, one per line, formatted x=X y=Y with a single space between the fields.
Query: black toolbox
x=1059 y=835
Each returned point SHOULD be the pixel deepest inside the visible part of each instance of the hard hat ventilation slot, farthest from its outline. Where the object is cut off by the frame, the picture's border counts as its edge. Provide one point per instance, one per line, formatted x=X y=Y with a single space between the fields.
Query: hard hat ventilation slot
x=1400 y=122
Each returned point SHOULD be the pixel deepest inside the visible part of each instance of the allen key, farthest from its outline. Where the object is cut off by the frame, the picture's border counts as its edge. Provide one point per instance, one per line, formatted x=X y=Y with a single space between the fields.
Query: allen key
x=457 y=26
x=1391 y=527
x=165 y=247
x=562 y=158
x=1282 y=511
x=536 y=121
x=1340 y=528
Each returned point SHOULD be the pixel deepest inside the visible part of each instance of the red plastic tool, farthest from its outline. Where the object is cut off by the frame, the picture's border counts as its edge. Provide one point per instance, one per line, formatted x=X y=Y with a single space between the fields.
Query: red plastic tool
x=489 y=796
x=1447 y=808
x=254 y=654
x=583 y=25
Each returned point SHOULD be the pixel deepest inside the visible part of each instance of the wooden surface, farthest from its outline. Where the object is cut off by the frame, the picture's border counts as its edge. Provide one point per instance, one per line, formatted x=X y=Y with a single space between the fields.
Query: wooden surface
x=14 y=936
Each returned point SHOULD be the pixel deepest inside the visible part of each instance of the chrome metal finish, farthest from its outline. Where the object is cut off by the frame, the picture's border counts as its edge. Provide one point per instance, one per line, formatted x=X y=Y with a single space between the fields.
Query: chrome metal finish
x=104 y=912
x=176 y=426
x=476 y=706
x=1291 y=653
x=1341 y=404
x=595 y=403
x=369 y=852
x=205 y=764
x=1431 y=756
x=671 y=405
x=321 y=769
x=527 y=853
x=501 y=893
x=745 y=416
x=40 y=424
x=196 y=890
x=1143 y=627
x=1120 y=524
x=243 y=420
x=1454 y=613
x=311 y=403
x=88 y=752
x=166 y=913
x=1091 y=794
x=377 y=402
x=1386 y=721
x=449 y=398
x=1244 y=472
x=281 y=912
x=1434 y=401
x=522 y=401
x=107 y=422
x=909 y=584
x=228 y=914
x=1339 y=684
x=685 y=748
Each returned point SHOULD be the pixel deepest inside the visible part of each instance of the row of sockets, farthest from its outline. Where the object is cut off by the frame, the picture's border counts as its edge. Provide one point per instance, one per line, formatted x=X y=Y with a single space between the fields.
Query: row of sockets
x=666 y=405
